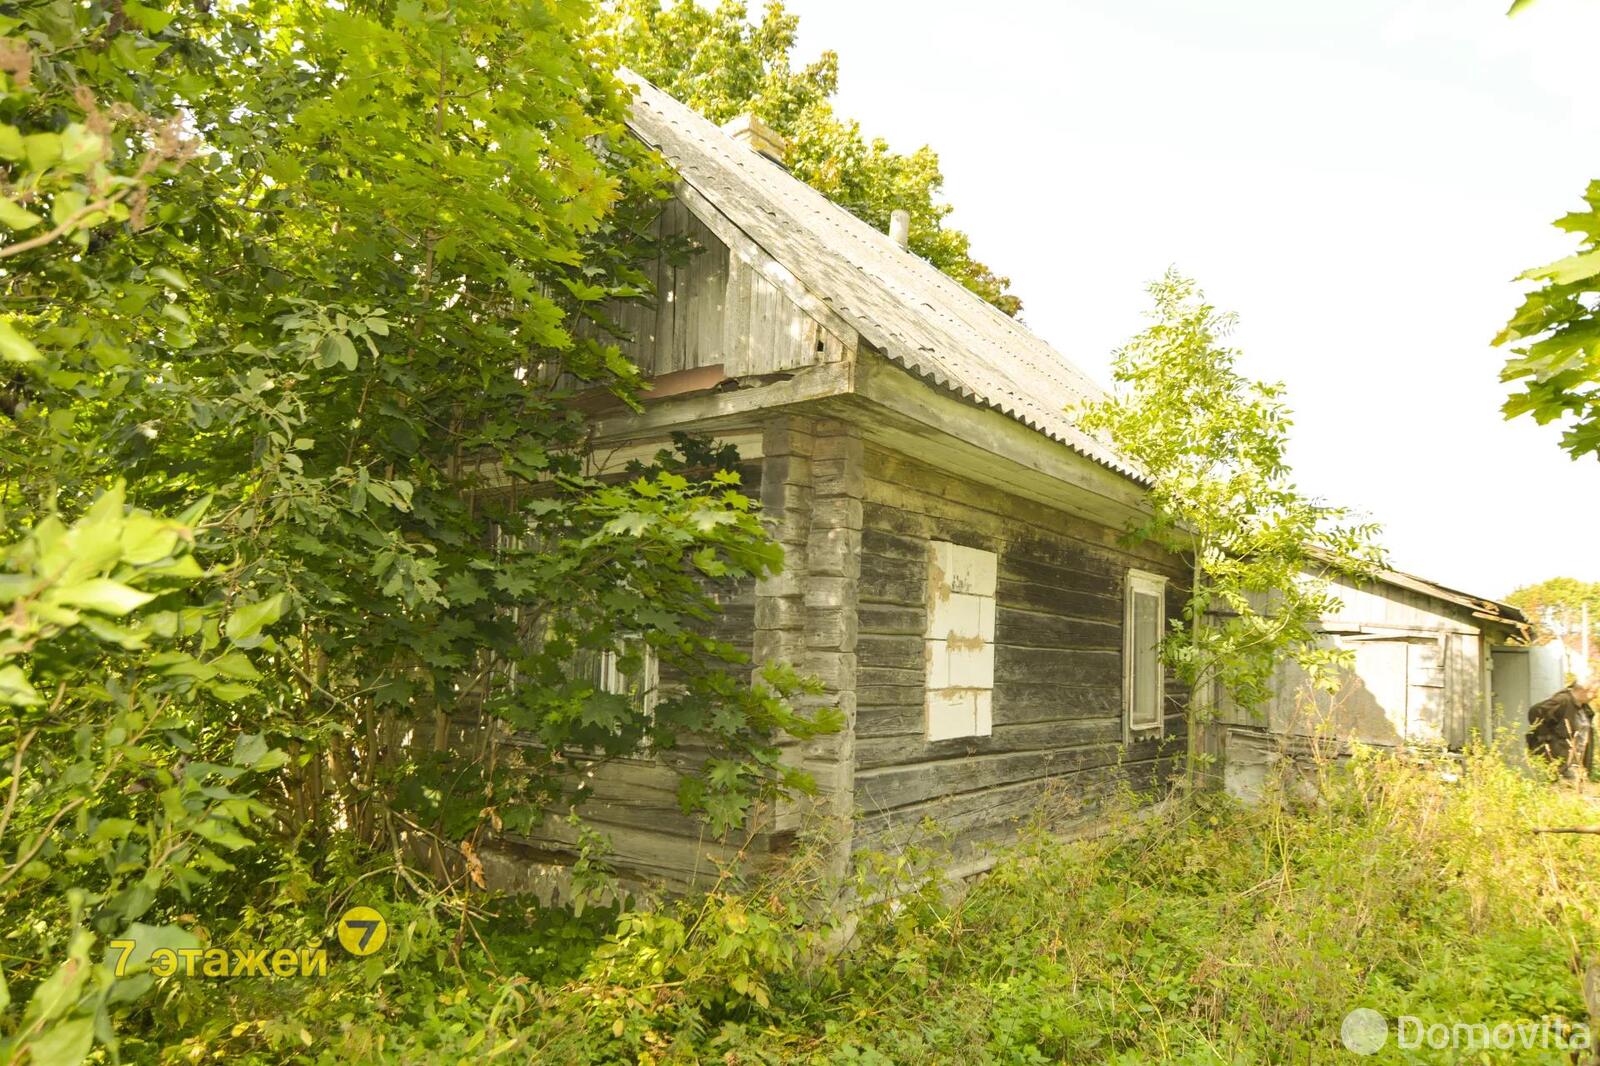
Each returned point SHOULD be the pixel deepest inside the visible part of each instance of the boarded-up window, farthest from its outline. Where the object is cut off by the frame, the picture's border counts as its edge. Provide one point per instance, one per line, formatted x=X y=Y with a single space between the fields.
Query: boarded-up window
x=959 y=644
x=1142 y=673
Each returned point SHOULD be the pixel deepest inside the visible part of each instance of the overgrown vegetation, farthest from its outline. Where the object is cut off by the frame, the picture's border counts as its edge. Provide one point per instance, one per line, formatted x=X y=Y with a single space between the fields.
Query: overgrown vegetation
x=1205 y=933
x=319 y=281
x=1215 y=447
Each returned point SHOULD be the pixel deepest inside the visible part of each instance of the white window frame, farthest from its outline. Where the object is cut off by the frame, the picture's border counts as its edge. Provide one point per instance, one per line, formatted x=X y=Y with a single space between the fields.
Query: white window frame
x=644 y=690
x=600 y=667
x=1135 y=727
x=958 y=642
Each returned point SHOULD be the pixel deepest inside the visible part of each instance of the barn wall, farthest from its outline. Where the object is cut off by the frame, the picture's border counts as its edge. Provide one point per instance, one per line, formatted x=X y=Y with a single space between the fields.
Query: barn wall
x=713 y=307
x=1419 y=674
x=1524 y=675
x=1057 y=700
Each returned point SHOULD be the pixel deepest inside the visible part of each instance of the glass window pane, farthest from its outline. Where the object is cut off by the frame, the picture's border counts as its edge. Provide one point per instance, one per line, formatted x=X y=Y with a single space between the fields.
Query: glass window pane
x=1146 y=663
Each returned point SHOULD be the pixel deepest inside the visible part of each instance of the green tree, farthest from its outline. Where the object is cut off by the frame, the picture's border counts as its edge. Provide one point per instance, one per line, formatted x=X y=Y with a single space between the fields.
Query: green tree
x=1214 y=444
x=1555 y=334
x=1556 y=338
x=337 y=270
x=125 y=780
x=1558 y=599
x=722 y=64
x=352 y=312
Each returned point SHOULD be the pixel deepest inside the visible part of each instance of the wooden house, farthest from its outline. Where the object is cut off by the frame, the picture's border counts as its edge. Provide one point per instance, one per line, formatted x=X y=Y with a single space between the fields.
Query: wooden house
x=1430 y=666
x=954 y=569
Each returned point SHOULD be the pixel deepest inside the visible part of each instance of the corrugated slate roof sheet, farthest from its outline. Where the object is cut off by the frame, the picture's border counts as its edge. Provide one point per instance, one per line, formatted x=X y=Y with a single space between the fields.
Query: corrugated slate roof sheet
x=898 y=302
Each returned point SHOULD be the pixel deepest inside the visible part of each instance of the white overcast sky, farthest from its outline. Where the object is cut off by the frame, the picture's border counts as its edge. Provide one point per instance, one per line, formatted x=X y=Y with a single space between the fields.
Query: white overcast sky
x=1359 y=180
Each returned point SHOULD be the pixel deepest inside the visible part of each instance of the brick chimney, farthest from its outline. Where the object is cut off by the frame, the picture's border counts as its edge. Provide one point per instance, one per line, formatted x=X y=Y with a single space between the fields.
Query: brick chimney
x=757 y=136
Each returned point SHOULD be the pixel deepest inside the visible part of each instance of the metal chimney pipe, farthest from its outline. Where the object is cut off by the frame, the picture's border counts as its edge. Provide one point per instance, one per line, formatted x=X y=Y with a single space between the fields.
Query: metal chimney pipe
x=900 y=227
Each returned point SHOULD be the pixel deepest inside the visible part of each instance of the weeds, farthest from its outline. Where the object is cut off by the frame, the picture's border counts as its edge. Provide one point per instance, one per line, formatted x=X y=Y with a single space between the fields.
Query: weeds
x=1206 y=932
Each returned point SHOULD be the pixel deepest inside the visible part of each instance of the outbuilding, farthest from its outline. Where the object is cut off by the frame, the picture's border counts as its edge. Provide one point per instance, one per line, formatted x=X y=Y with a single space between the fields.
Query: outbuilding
x=1429 y=666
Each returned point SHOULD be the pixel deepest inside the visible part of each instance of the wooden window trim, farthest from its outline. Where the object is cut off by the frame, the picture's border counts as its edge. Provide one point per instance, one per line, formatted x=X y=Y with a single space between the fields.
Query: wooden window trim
x=1142 y=583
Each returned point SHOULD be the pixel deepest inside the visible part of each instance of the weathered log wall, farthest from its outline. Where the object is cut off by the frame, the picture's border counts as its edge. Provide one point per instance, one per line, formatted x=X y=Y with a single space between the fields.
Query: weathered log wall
x=806 y=615
x=634 y=802
x=1057 y=702
x=850 y=608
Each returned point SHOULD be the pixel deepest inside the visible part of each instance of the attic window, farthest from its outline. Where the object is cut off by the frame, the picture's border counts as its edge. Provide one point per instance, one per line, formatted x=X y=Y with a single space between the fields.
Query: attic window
x=958 y=647
x=1142 y=673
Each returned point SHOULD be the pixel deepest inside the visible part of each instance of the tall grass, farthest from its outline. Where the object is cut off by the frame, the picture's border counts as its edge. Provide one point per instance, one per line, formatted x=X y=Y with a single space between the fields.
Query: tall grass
x=1208 y=932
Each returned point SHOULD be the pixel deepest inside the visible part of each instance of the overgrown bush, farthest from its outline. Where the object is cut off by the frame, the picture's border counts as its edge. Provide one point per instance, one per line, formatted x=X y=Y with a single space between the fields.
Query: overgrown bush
x=341 y=270
x=1207 y=932
x=129 y=775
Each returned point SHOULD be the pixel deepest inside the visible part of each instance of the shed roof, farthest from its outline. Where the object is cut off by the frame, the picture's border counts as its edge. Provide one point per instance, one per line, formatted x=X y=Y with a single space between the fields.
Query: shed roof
x=1480 y=607
x=1485 y=609
x=898 y=302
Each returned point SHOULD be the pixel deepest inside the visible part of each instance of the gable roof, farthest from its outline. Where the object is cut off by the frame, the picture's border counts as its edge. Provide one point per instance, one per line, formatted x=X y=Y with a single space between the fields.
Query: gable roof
x=899 y=303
